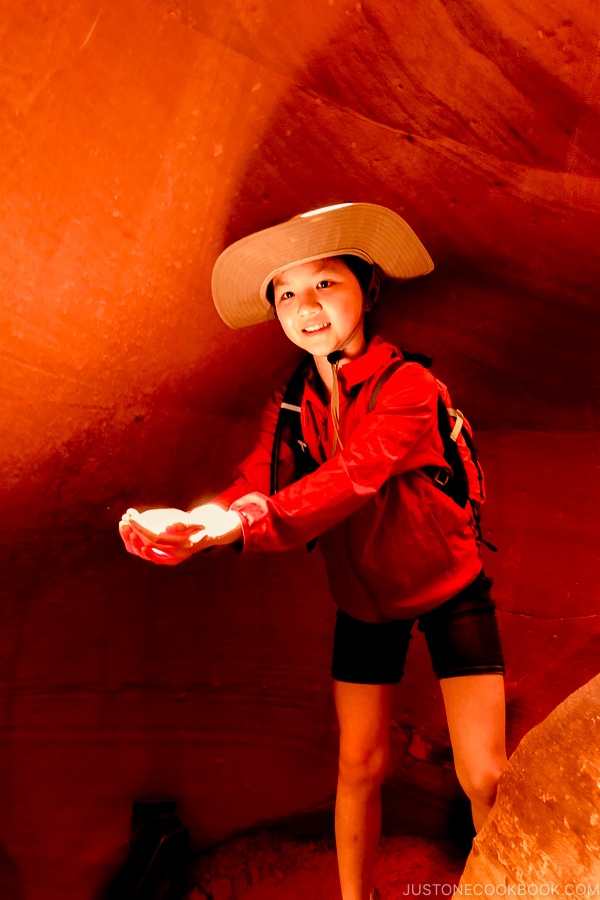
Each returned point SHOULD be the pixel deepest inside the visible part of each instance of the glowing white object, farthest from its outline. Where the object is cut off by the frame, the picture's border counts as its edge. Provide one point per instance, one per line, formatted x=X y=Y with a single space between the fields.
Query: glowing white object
x=207 y=521
x=157 y=520
x=215 y=521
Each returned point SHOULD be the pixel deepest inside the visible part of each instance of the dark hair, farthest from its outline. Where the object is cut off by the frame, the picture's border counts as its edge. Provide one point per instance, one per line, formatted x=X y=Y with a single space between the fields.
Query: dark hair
x=360 y=268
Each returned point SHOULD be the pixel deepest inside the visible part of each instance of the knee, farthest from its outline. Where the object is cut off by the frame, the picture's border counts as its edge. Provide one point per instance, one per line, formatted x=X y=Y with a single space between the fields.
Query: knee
x=364 y=766
x=480 y=781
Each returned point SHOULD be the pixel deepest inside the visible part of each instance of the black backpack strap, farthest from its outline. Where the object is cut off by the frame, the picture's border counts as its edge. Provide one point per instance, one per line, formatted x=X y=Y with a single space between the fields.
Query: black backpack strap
x=385 y=375
x=396 y=364
x=456 y=484
x=289 y=423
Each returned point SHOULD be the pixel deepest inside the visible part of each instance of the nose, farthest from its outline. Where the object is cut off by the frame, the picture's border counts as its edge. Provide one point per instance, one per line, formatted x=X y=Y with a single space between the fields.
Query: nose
x=308 y=302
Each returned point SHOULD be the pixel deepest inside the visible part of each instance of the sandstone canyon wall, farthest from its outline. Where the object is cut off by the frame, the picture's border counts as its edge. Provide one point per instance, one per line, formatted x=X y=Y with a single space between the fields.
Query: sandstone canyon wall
x=138 y=138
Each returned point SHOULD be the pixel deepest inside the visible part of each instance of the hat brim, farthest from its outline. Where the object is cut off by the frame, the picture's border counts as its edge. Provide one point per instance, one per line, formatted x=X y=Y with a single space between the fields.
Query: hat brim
x=243 y=270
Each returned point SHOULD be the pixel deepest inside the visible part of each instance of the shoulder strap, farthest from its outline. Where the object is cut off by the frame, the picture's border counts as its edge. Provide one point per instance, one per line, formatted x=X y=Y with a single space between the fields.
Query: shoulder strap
x=456 y=486
x=289 y=417
x=396 y=364
x=385 y=375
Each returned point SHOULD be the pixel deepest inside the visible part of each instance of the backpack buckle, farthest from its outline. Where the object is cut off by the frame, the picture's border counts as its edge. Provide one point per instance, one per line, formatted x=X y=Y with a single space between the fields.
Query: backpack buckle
x=442 y=477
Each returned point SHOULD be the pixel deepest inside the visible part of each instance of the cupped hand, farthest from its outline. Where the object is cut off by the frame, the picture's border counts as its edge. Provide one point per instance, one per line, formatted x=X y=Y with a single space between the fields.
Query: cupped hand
x=170 y=546
x=170 y=536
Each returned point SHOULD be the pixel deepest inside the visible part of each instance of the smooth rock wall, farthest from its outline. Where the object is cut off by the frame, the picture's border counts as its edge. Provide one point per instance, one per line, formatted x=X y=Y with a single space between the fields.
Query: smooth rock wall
x=138 y=138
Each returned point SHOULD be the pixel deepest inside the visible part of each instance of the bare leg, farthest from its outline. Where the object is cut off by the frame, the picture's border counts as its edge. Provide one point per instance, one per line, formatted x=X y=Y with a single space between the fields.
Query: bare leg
x=475 y=708
x=364 y=712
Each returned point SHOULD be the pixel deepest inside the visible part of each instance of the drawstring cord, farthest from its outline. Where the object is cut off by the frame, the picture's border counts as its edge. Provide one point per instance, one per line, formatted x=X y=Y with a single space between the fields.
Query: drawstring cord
x=334 y=361
x=334 y=405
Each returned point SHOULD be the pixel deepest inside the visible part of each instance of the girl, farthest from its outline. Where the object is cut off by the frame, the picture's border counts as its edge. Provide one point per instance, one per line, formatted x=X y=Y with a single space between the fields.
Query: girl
x=397 y=547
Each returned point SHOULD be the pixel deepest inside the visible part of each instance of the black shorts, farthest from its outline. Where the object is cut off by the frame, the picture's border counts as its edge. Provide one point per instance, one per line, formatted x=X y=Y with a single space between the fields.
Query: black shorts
x=462 y=637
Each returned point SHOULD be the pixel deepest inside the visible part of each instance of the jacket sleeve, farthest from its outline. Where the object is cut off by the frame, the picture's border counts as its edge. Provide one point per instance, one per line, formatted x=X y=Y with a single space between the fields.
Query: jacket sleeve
x=399 y=435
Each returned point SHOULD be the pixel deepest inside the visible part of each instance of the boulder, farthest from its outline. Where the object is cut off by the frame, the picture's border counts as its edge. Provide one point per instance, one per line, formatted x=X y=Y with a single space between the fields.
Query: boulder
x=543 y=834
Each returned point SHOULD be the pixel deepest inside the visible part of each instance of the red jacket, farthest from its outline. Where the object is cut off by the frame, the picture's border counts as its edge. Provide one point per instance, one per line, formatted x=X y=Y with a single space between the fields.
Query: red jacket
x=394 y=545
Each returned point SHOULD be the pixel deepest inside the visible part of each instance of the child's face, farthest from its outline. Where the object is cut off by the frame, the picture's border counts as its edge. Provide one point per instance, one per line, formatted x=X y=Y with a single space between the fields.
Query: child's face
x=319 y=305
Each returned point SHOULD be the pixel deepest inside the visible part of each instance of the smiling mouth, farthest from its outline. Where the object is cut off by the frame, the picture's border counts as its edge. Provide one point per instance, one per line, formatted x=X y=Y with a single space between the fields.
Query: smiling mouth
x=315 y=329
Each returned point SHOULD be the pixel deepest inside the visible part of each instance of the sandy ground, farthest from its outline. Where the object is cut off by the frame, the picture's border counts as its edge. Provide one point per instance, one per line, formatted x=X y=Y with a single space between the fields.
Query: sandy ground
x=276 y=865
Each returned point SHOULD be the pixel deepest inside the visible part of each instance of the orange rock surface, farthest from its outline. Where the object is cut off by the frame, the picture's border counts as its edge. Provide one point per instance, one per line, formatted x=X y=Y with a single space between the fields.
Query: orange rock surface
x=544 y=831
x=138 y=139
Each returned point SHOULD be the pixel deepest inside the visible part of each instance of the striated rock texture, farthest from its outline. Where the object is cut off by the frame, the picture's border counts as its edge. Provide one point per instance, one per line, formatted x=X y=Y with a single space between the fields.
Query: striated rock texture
x=545 y=826
x=138 y=138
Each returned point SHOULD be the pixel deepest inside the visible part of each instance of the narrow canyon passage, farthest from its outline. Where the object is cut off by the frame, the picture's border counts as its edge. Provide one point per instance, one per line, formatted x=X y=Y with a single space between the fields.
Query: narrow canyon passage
x=139 y=139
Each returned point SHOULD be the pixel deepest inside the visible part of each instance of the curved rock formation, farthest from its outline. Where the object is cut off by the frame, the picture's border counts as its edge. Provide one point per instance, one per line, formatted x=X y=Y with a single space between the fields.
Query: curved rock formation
x=138 y=138
x=544 y=829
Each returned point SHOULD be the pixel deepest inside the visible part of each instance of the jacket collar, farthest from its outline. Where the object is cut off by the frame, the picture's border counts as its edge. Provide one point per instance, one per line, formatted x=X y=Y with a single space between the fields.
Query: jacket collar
x=356 y=371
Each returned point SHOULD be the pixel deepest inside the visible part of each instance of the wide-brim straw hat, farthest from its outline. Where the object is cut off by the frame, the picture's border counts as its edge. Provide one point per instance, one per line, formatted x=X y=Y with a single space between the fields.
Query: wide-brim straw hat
x=243 y=270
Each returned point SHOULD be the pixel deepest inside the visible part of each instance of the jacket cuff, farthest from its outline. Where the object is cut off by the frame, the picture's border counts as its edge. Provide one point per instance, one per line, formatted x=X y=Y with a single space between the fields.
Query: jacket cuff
x=243 y=545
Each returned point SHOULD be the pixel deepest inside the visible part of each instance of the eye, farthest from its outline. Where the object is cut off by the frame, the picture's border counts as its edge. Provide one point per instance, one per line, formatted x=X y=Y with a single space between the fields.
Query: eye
x=325 y=283
x=285 y=296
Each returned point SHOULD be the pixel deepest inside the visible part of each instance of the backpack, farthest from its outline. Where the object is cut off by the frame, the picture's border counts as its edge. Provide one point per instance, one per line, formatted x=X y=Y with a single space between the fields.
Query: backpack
x=463 y=484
